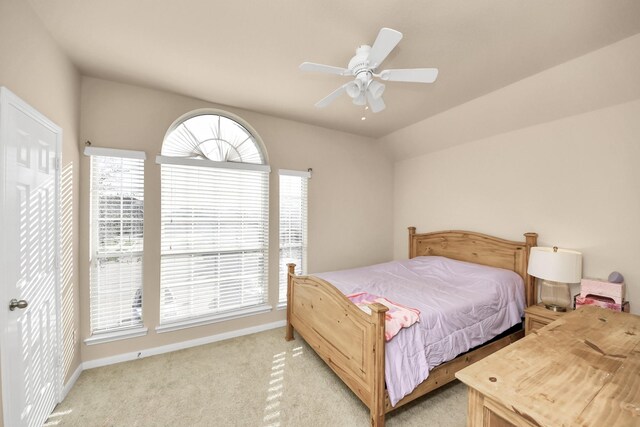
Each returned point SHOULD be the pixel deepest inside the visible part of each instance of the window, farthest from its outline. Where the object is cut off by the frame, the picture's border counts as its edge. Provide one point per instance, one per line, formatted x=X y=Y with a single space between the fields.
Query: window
x=293 y=226
x=214 y=222
x=117 y=218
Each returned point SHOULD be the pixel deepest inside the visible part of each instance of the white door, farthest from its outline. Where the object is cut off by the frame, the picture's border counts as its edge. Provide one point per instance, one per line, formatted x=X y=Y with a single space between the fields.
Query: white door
x=29 y=156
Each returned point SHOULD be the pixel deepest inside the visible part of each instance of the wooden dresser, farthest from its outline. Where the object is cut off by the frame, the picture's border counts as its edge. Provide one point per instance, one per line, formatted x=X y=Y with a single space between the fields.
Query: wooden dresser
x=580 y=370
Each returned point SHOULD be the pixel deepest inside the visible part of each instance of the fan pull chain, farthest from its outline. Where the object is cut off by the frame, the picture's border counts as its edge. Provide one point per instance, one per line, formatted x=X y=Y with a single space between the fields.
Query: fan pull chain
x=364 y=117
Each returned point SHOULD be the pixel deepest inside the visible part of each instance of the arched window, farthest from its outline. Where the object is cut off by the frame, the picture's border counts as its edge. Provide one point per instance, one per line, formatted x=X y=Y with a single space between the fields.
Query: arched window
x=212 y=137
x=214 y=220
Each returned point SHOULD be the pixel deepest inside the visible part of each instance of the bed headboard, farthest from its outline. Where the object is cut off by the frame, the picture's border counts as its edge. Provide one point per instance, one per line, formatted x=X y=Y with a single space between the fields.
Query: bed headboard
x=480 y=249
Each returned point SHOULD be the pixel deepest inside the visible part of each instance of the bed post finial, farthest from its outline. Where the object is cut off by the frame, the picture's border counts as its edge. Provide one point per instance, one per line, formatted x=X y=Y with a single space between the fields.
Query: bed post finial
x=289 y=328
x=531 y=239
x=412 y=232
x=532 y=291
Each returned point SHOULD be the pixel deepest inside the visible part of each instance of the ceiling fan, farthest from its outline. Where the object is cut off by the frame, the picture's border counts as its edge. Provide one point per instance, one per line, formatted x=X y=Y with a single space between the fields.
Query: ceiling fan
x=364 y=90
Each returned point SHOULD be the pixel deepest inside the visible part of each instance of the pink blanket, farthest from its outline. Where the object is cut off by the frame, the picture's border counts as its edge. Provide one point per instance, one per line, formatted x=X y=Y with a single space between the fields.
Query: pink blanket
x=396 y=318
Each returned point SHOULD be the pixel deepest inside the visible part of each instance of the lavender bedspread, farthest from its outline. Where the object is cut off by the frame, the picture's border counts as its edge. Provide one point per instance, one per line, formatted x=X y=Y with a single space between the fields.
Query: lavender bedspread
x=461 y=305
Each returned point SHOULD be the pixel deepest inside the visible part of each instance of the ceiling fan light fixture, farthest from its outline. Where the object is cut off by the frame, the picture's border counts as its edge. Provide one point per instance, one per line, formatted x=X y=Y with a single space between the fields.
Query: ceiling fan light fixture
x=376 y=89
x=360 y=99
x=354 y=89
x=376 y=104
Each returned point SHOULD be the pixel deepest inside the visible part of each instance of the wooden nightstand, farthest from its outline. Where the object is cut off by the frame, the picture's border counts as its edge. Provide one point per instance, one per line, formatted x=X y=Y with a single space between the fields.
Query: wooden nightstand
x=536 y=317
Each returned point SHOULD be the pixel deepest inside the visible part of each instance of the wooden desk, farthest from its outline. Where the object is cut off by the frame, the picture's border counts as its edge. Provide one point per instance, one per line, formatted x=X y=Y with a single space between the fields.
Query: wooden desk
x=581 y=370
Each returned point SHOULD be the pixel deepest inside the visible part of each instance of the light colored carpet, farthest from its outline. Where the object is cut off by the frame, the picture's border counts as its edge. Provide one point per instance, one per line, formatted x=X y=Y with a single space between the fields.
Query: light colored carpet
x=255 y=380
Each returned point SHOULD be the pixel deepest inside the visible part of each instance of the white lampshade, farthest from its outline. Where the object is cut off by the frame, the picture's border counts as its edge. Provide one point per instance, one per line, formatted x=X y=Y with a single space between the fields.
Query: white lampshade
x=557 y=265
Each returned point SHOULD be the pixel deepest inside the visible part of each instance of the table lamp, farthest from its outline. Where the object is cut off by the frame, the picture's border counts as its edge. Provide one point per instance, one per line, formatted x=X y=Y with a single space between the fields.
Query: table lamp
x=557 y=268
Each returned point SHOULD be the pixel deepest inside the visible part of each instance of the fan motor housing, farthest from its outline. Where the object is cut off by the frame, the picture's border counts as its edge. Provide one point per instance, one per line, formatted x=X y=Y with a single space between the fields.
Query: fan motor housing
x=360 y=62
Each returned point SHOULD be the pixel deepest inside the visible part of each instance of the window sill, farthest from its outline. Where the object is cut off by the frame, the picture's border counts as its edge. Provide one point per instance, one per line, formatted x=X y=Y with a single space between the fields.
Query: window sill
x=105 y=337
x=281 y=306
x=206 y=320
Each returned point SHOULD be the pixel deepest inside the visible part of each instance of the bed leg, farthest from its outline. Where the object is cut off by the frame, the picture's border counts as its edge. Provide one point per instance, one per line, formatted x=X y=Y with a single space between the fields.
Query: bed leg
x=289 y=328
x=377 y=420
x=288 y=335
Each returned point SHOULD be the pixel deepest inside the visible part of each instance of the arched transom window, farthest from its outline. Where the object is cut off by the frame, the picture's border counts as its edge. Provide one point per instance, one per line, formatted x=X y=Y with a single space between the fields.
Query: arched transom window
x=214 y=220
x=213 y=137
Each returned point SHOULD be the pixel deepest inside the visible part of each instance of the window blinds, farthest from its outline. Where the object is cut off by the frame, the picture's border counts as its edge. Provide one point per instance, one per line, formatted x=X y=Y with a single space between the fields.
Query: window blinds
x=117 y=218
x=214 y=241
x=293 y=226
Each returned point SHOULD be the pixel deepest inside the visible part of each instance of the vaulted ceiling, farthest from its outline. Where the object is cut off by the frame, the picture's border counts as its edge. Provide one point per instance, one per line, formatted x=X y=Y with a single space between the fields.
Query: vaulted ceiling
x=245 y=53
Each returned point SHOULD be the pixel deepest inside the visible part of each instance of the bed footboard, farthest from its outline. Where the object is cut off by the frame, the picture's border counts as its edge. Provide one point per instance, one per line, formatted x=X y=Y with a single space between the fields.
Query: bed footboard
x=349 y=340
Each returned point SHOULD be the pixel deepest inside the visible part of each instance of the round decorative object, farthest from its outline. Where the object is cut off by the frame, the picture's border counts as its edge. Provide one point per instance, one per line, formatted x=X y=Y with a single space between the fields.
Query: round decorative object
x=616 y=277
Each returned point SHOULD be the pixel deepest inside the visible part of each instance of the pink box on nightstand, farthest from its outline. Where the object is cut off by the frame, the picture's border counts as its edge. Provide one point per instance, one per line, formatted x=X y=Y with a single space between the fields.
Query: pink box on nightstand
x=602 y=288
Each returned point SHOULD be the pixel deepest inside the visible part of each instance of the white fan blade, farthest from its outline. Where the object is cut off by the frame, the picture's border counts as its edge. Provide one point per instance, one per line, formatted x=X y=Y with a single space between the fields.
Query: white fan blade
x=376 y=105
x=332 y=96
x=417 y=75
x=321 y=68
x=385 y=42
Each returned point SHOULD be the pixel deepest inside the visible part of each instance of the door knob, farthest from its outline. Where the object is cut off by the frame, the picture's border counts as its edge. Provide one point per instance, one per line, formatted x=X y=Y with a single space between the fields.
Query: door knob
x=14 y=303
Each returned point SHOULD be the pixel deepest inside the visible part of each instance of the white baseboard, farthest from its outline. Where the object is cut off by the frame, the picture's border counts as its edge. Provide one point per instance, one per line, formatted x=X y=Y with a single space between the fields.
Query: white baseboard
x=69 y=385
x=125 y=357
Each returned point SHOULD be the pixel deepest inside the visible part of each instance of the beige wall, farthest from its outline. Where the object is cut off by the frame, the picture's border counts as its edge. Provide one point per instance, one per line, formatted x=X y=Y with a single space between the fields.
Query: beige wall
x=570 y=175
x=33 y=67
x=349 y=211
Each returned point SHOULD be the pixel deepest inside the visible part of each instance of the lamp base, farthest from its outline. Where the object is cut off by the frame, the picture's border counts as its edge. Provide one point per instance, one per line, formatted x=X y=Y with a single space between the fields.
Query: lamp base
x=555 y=296
x=555 y=307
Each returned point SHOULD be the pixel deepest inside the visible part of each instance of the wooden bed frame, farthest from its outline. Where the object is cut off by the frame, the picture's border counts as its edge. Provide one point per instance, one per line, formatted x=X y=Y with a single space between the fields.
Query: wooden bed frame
x=352 y=342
